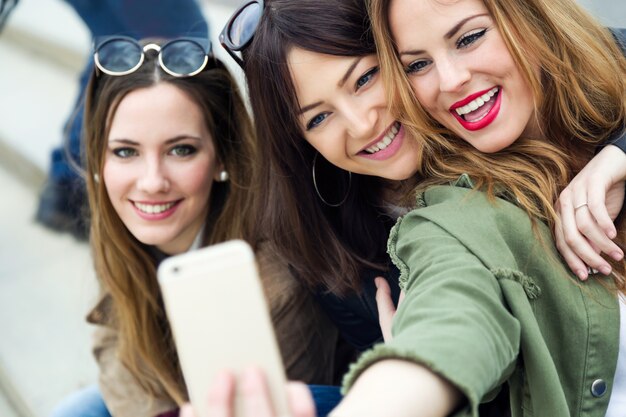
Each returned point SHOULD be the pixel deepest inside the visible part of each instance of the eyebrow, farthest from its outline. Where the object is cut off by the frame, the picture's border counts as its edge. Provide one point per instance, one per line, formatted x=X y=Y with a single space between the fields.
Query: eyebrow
x=340 y=84
x=349 y=72
x=175 y=139
x=449 y=34
x=458 y=26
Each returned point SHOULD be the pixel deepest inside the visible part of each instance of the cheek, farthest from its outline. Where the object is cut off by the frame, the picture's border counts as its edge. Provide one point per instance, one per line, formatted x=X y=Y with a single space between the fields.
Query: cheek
x=116 y=180
x=425 y=91
x=197 y=178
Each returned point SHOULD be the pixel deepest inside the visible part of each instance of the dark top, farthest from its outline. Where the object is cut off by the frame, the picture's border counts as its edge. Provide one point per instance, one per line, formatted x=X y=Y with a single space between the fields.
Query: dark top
x=620 y=37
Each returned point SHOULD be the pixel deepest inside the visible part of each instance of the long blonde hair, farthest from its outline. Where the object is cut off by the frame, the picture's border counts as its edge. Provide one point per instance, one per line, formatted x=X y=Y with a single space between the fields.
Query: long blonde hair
x=125 y=266
x=579 y=97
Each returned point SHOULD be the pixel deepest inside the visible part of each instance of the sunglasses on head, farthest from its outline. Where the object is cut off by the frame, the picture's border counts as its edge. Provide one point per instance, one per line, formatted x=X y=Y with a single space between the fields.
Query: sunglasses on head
x=180 y=57
x=240 y=28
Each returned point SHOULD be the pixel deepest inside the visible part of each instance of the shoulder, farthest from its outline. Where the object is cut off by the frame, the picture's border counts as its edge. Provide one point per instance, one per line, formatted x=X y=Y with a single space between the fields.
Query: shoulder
x=459 y=217
x=282 y=289
x=465 y=211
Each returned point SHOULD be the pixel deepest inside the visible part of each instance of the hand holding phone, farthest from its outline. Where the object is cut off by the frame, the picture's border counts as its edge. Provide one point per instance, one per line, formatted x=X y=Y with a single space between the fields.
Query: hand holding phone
x=218 y=314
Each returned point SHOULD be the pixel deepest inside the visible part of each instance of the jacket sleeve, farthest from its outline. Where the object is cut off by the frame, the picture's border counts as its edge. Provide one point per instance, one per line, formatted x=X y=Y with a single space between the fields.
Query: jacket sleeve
x=306 y=337
x=122 y=394
x=453 y=319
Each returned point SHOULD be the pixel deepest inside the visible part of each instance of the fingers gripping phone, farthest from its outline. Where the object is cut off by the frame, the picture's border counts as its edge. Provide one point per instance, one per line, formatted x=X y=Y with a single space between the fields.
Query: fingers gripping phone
x=215 y=303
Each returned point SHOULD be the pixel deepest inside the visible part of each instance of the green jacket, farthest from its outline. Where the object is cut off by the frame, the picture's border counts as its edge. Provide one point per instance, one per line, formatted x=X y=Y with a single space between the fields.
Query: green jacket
x=487 y=303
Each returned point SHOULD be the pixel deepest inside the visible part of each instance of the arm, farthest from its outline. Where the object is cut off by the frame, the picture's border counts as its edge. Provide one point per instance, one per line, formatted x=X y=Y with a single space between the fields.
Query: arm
x=452 y=326
x=587 y=207
x=585 y=233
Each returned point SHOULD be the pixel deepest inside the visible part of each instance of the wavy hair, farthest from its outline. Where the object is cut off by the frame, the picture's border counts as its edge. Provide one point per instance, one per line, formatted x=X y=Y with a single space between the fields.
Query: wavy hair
x=579 y=97
x=125 y=267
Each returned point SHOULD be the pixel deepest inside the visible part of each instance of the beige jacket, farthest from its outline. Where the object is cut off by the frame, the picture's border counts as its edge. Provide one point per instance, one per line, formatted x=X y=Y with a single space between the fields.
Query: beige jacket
x=306 y=337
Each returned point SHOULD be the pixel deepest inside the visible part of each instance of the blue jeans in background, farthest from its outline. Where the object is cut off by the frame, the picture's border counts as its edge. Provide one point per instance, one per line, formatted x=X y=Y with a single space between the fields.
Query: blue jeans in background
x=88 y=402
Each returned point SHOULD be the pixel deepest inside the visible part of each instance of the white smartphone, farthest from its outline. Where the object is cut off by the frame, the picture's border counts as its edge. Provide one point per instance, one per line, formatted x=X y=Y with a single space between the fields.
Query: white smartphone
x=216 y=307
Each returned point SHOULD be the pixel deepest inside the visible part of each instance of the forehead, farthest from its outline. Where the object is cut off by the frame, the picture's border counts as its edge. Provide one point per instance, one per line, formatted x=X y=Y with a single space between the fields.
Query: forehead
x=161 y=108
x=413 y=18
x=317 y=76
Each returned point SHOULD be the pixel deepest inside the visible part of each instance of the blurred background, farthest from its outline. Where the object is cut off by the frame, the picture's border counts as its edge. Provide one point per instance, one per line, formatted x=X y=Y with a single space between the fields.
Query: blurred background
x=47 y=284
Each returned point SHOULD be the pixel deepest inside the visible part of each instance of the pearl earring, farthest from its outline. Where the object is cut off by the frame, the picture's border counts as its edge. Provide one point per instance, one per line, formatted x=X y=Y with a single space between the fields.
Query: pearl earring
x=223 y=176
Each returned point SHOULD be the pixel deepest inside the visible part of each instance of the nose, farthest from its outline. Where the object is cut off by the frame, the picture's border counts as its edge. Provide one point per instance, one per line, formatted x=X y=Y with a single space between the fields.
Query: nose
x=361 y=119
x=153 y=179
x=453 y=75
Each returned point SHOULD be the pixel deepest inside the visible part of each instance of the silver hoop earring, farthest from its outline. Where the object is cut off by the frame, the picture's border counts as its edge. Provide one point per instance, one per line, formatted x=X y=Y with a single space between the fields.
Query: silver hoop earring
x=318 y=191
x=223 y=176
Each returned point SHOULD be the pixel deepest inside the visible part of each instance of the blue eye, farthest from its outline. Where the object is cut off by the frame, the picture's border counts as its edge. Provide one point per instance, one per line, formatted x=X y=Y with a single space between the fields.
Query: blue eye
x=316 y=121
x=124 y=152
x=183 y=150
x=366 y=78
x=416 y=66
x=470 y=38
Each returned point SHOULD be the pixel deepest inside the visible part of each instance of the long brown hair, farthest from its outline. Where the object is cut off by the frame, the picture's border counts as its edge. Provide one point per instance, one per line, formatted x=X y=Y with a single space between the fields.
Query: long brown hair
x=326 y=246
x=579 y=97
x=125 y=266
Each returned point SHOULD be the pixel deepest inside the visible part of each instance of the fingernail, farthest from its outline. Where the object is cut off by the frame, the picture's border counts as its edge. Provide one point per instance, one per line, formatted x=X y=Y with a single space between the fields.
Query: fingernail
x=377 y=282
x=617 y=255
x=582 y=274
x=606 y=270
x=611 y=233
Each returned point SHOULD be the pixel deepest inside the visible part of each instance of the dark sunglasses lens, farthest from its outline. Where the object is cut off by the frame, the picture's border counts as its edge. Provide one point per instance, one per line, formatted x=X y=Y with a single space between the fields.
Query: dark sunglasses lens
x=183 y=57
x=119 y=55
x=244 y=25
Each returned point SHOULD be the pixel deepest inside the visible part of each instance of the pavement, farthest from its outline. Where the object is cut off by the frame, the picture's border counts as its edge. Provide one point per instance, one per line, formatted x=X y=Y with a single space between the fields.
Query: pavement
x=47 y=283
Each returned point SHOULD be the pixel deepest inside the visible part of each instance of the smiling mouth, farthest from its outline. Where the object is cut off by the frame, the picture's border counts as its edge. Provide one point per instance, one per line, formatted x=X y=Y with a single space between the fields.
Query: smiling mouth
x=477 y=109
x=154 y=208
x=386 y=140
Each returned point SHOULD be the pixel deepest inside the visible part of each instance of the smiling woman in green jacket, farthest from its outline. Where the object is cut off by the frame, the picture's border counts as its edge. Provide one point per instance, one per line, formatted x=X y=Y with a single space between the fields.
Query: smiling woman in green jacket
x=506 y=94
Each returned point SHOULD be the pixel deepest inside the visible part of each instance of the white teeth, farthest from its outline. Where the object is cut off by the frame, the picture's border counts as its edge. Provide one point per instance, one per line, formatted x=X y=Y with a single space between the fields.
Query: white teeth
x=386 y=140
x=476 y=103
x=153 y=208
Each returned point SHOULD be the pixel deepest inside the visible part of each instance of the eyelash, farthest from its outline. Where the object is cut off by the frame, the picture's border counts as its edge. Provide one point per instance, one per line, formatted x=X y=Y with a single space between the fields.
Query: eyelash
x=360 y=83
x=470 y=38
x=126 y=152
x=189 y=150
x=371 y=73
x=464 y=41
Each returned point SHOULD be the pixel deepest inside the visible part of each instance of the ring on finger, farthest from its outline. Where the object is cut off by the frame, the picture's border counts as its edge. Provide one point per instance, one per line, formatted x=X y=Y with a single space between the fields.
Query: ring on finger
x=580 y=206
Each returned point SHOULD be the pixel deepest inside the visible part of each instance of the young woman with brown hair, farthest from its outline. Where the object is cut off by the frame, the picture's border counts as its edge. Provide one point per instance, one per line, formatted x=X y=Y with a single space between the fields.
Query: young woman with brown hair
x=169 y=154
